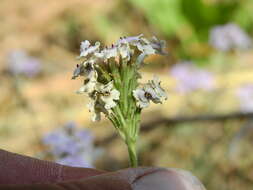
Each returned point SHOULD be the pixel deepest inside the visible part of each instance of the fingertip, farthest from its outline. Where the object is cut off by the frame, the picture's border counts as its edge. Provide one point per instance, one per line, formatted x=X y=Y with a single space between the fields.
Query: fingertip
x=168 y=179
x=189 y=179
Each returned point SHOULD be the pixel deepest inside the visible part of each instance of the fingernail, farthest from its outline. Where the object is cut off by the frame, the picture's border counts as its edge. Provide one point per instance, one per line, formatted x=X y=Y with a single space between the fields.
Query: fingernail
x=170 y=179
x=160 y=180
x=189 y=180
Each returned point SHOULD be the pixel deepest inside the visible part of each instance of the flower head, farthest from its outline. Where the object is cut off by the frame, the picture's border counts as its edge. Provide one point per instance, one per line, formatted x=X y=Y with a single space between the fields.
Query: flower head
x=108 y=70
x=111 y=82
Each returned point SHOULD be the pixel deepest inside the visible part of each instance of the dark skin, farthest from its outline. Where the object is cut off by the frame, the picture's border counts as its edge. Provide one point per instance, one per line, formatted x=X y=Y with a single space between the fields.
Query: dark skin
x=24 y=173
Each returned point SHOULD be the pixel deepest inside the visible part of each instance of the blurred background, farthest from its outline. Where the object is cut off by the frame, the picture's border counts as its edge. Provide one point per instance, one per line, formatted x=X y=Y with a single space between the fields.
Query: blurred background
x=205 y=126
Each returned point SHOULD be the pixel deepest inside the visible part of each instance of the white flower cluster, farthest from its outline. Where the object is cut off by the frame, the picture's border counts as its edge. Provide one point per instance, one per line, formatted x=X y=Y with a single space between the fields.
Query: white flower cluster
x=103 y=96
x=99 y=81
x=103 y=100
x=124 y=48
x=152 y=91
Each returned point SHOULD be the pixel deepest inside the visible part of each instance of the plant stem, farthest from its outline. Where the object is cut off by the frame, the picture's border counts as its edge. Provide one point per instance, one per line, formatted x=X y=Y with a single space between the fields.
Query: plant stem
x=132 y=153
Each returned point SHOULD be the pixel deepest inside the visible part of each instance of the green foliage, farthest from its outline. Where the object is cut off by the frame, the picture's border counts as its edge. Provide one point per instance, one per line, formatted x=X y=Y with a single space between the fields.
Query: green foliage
x=171 y=16
x=203 y=16
x=190 y=21
x=166 y=15
x=243 y=15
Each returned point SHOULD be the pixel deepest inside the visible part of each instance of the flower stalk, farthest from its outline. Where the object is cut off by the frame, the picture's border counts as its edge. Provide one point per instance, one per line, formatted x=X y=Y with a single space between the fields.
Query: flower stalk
x=111 y=82
x=131 y=146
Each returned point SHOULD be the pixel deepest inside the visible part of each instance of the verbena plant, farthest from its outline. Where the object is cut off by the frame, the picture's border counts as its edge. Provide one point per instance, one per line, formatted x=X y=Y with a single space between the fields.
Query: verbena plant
x=111 y=82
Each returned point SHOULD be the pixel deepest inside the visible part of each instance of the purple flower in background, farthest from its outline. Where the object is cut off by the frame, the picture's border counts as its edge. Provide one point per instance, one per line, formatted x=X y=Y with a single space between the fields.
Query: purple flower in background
x=60 y=143
x=21 y=63
x=229 y=36
x=245 y=97
x=72 y=146
x=75 y=161
x=190 y=78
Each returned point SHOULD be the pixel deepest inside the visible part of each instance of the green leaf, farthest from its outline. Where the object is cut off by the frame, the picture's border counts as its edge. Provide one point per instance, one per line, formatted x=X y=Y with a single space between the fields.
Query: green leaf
x=165 y=14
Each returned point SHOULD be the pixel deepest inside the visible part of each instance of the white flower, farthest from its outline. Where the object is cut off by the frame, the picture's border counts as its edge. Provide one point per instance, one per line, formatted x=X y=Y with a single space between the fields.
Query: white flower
x=102 y=100
x=84 y=69
x=89 y=84
x=145 y=95
x=124 y=46
x=124 y=51
x=79 y=71
x=141 y=97
x=130 y=39
x=144 y=46
x=96 y=107
x=111 y=52
x=95 y=110
x=107 y=53
x=152 y=91
x=87 y=69
x=140 y=59
x=158 y=45
x=160 y=92
x=108 y=95
x=86 y=48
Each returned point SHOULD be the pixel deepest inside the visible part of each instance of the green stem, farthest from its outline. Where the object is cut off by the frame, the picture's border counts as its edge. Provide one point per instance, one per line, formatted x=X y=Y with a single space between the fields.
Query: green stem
x=132 y=153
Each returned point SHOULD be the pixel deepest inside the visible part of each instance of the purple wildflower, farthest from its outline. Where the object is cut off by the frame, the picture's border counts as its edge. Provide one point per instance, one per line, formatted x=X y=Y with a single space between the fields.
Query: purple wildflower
x=229 y=36
x=60 y=143
x=245 y=97
x=75 y=161
x=21 y=63
x=190 y=78
x=71 y=146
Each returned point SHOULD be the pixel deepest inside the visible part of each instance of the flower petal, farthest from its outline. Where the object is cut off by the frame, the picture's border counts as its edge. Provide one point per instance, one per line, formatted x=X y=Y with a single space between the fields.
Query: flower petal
x=86 y=48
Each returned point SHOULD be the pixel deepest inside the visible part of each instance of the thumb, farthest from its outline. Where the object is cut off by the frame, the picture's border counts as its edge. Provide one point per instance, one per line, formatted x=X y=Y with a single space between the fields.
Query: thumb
x=129 y=179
